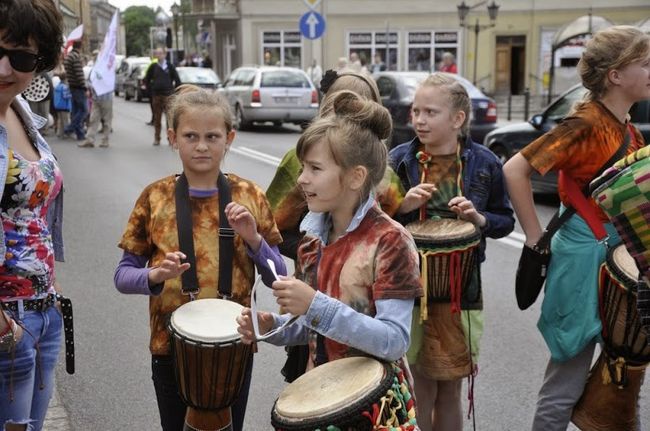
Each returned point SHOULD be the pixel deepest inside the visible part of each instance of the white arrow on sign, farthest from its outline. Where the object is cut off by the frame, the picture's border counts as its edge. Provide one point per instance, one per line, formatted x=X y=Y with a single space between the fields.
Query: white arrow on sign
x=312 y=22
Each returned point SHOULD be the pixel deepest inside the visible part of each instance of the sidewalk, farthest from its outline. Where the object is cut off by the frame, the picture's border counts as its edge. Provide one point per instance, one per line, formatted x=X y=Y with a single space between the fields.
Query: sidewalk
x=56 y=418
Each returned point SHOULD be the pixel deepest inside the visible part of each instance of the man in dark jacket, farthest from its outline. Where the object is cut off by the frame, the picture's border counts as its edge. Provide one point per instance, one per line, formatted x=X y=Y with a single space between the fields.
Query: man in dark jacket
x=73 y=65
x=161 y=80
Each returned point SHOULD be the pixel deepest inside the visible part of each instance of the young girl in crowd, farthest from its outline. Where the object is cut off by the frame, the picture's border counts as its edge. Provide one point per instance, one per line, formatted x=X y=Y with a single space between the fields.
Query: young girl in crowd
x=615 y=68
x=201 y=130
x=287 y=200
x=453 y=177
x=31 y=326
x=357 y=270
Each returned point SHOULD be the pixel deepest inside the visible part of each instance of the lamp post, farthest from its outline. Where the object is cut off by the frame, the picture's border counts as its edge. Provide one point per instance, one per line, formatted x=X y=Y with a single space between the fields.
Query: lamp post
x=463 y=11
x=175 y=9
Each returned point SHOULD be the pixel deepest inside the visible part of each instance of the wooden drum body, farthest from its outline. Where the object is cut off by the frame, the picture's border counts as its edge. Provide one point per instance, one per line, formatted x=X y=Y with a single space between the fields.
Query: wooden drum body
x=356 y=393
x=610 y=398
x=448 y=256
x=210 y=361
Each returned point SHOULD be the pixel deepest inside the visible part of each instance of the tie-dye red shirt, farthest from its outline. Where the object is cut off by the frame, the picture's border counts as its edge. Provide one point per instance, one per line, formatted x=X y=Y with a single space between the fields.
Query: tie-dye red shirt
x=377 y=260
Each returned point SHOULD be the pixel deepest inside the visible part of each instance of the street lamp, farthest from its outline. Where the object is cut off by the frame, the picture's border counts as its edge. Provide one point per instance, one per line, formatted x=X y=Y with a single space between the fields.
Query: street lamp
x=175 y=9
x=463 y=11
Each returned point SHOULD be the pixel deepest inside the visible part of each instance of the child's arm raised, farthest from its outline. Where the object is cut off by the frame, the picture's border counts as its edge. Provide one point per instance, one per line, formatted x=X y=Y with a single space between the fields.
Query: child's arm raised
x=243 y=222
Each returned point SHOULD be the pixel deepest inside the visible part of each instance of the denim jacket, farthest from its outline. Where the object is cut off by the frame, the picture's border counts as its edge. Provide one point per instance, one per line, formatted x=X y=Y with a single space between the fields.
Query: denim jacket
x=483 y=184
x=55 y=211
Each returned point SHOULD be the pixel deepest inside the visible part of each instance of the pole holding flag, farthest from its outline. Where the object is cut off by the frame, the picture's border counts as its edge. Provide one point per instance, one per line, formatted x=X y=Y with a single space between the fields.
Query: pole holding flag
x=102 y=76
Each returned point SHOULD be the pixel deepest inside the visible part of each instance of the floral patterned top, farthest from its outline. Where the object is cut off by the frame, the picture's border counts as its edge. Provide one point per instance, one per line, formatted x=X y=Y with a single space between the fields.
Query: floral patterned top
x=29 y=189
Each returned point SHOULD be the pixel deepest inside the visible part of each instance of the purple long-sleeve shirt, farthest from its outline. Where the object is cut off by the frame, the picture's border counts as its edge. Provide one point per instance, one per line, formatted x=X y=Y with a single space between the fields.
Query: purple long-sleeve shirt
x=132 y=274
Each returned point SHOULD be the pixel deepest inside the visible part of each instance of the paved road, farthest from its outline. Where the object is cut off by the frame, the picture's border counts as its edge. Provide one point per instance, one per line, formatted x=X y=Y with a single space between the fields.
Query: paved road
x=112 y=389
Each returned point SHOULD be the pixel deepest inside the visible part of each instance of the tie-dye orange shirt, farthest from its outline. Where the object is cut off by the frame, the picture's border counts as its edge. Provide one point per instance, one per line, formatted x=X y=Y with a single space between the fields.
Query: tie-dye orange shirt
x=580 y=145
x=151 y=231
x=377 y=260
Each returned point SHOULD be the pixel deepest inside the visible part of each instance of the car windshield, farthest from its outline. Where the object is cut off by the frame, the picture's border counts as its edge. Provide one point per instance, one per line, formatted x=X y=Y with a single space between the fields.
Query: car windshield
x=411 y=83
x=284 y=78
x=563 y=105
x=197 y=75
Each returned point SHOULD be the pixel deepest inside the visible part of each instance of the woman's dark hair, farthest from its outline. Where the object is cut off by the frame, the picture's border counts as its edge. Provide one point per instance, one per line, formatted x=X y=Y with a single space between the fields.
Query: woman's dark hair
x=22 y=21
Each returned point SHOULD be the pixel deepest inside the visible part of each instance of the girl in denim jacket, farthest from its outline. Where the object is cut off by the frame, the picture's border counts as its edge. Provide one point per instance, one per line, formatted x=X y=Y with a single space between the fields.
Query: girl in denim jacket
x=449 y=176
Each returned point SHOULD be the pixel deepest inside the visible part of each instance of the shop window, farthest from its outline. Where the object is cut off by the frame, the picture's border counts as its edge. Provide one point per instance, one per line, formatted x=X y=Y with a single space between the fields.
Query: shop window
x=371 y=44
x=281 y=48
x=427 y=48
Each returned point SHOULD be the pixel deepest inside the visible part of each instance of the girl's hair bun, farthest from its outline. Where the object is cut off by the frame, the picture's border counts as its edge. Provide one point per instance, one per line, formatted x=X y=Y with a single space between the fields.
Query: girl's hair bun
x=367 y=114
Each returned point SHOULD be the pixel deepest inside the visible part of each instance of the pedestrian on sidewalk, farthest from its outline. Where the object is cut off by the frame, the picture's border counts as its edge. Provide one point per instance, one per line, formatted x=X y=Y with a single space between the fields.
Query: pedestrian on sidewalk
x=152 y=263
x=161 y=79
x=30 y=204
x=100 y=114
x=73 y=64
x=62 y=104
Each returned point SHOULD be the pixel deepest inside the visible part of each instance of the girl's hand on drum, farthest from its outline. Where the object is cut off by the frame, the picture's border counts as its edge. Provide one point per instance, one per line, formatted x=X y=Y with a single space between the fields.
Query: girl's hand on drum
x=294 y=296
x=170 y=267
x=243 y=222
x=265 y=323
x=464 y=208
x=416 y=196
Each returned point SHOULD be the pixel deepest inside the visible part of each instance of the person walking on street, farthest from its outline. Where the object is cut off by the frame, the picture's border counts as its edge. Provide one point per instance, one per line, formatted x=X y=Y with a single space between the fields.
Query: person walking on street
x=101 y=113
x=73 y=64
x=62 y=104
x=161 y=79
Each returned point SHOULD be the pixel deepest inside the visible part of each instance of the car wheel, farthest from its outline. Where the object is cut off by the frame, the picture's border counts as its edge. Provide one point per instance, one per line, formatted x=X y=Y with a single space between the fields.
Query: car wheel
x=127 y=96
x=240 y=121
x=501 y=152
x=138 y=95
x=277 y=123
x=117 y=92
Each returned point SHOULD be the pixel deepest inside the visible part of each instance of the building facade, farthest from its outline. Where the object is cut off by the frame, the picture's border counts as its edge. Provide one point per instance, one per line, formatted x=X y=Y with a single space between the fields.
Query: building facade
x=405 y=35
x=101 y=14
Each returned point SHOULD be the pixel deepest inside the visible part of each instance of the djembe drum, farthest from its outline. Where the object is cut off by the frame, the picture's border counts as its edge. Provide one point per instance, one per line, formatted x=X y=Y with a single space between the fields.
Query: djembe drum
x=609 y=400
x=448 y=257
x=210 y=361
x=356 y=393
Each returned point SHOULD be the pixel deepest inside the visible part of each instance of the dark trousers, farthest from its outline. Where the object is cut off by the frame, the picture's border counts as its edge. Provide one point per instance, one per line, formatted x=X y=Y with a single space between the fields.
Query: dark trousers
x=159 y=105
x=172 y=408
x=78 y=112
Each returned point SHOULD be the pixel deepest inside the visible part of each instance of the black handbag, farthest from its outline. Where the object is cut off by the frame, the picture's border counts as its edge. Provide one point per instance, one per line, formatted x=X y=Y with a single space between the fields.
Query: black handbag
x=534 y=261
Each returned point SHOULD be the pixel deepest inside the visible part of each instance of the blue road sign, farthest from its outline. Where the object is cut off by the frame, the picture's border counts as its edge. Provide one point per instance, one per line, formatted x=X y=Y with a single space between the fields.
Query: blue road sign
x=312 y=25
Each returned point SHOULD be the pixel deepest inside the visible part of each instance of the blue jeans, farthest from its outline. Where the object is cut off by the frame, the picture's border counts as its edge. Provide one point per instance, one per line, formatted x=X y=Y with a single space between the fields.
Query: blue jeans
x=27 y=380
x=78 y=113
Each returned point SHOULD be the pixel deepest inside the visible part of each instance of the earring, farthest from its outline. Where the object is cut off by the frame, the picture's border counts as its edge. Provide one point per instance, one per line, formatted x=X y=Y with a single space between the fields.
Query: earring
x=39 y=89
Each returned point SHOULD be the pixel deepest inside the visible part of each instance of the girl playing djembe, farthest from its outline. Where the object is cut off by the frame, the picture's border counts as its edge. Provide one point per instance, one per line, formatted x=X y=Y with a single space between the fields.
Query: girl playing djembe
x=357 y=270
x=448 y=176
x=201 y=130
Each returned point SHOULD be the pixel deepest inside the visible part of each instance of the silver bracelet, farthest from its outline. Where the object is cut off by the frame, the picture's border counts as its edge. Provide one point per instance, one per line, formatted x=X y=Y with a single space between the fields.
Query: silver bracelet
x=8 y=340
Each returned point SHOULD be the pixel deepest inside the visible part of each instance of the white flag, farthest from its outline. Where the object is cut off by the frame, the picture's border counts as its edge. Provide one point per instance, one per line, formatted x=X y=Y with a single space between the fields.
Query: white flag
x=76 y=34
x=102 y=76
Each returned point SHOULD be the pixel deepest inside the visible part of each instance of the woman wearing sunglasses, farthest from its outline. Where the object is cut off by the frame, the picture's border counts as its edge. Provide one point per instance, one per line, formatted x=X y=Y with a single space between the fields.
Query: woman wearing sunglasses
x=30 y=323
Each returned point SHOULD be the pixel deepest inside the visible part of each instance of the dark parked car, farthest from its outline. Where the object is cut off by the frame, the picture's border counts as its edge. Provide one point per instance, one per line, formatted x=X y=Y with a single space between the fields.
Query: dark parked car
x=199 y=76
x=506 y=141
x=134 y=86
x=397 y=90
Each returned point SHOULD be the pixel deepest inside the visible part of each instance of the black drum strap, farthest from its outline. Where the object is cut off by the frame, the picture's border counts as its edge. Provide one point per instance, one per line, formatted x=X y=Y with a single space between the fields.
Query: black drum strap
x=190 y=282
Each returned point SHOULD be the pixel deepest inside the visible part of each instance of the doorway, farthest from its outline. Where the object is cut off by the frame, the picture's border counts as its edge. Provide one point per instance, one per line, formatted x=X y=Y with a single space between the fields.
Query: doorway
x=510 y=64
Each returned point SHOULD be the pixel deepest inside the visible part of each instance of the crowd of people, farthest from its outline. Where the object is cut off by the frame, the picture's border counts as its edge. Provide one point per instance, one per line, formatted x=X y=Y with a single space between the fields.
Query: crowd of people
x=357 y=219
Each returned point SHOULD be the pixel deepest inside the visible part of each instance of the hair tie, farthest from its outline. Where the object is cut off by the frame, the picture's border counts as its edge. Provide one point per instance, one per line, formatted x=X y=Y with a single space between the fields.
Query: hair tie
x=328 y=79
x=423 y=157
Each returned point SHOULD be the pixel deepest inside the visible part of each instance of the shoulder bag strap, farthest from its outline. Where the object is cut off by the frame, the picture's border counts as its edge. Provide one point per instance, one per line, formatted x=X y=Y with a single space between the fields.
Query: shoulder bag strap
x=190 y=282
x=558 y=220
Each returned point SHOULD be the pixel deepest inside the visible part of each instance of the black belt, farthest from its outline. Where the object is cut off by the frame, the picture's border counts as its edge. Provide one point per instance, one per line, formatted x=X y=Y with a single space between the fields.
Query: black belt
x=66 y=311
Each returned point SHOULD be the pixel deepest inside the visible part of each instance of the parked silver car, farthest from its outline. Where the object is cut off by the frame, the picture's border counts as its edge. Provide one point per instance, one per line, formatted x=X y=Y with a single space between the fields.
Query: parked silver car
x=125 y=69
x=267 y=93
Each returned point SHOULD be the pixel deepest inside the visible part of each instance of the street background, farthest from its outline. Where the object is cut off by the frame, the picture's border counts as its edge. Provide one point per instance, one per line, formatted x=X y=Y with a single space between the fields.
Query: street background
x=112 y=388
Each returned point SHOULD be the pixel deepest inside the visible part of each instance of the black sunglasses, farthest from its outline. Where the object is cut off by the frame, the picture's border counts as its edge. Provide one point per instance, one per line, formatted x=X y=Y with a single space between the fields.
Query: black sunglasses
x=21 y=61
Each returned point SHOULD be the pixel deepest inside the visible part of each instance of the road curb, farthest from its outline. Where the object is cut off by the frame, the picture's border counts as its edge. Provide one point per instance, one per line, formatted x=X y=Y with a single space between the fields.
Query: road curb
x=57 y=418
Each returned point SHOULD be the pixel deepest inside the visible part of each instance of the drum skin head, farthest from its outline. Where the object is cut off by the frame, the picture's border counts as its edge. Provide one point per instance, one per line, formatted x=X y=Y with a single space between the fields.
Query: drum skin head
x=625 y=262
x=442 y=229
x=330 y=387
x=207 y=320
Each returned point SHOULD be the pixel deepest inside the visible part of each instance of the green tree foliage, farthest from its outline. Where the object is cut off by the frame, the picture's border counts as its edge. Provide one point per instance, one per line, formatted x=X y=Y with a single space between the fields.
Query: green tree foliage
x=137 y=21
